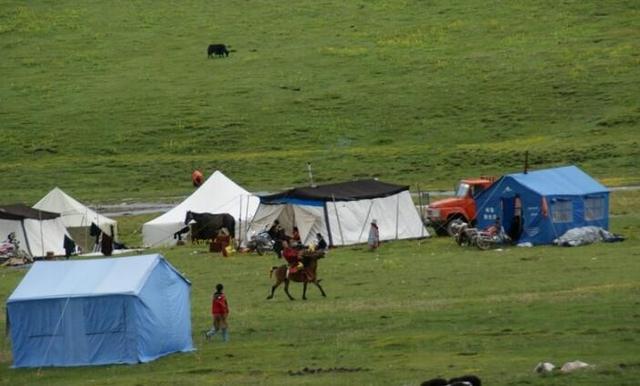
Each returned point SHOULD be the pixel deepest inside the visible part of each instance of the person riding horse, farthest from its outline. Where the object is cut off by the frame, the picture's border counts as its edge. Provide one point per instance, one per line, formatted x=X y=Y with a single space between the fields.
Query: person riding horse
x=292 y=256
x=307 y=273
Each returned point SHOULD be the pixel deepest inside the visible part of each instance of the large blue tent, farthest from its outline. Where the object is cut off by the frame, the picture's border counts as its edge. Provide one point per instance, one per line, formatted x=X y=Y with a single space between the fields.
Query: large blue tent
x=541 y=205
x=93 y=312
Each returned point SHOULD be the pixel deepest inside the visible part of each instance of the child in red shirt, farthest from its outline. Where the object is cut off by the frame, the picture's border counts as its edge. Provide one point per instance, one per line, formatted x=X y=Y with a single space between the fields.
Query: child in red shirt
x=219 y=311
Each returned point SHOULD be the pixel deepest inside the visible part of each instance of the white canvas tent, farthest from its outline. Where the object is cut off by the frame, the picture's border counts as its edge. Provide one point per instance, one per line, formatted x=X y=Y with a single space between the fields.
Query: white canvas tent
x=342 y=212
x=218 y=194
x=77 y=217
x=37 y=231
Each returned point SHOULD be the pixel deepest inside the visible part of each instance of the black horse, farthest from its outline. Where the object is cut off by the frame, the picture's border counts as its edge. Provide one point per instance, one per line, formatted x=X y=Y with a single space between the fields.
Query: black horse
x=207 y=225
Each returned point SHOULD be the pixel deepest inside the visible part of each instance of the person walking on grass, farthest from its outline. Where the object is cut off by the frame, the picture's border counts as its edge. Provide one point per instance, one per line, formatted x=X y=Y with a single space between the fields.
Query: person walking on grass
x=219 y=311
x=374 y=236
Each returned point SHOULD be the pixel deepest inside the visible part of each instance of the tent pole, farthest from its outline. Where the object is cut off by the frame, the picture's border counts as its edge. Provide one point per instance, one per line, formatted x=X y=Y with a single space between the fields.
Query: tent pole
x=87 y=229
x=239 y=222
x=420 y=203
x=41 y=234
x=364 y=225
x=326 y=220
x=421 y=211
x=335 y=207
x=246 y=217
x=398 y=212
x=26 y=237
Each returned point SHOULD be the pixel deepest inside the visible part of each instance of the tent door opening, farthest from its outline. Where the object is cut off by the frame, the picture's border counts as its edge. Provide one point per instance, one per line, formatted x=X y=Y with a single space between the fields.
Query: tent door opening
x=511 y=218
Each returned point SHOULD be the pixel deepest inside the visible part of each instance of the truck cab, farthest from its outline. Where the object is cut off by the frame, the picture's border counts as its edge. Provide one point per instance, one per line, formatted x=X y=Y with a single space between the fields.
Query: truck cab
x=461 y=207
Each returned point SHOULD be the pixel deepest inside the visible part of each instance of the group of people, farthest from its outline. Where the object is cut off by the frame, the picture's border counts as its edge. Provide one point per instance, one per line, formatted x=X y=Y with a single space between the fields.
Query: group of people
x=288 y=247
x=291 y=247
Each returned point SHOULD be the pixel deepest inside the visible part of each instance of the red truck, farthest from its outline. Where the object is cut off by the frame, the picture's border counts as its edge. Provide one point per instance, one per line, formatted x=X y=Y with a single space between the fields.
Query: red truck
x=462 y=207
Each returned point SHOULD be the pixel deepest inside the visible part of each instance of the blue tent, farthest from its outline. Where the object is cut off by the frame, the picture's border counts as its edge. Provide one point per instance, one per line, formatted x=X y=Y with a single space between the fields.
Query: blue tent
x=539 y=206
x=94 y=312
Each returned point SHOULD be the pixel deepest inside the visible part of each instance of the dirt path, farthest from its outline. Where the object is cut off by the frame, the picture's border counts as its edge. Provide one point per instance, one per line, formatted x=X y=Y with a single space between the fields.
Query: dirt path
x=135 y=208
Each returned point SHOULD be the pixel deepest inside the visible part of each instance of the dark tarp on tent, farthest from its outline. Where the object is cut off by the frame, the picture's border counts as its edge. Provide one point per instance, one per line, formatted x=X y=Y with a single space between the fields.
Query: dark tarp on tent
x=342 y=212
x=343 y=191
x=20 y=211
x=37 y=231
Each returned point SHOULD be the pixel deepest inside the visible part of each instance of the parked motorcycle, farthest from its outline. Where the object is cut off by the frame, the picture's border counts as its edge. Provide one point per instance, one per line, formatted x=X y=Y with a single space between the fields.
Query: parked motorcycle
x=10 y=248
x=261 y=243
x=482 y=239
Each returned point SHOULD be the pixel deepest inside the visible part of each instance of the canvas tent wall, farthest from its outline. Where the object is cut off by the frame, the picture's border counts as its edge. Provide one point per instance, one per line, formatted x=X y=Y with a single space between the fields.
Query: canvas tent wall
x=94 y=312
x=77 y=218
x=342 y=212
x=552 y=201
x=218 y=194
x=37 y=231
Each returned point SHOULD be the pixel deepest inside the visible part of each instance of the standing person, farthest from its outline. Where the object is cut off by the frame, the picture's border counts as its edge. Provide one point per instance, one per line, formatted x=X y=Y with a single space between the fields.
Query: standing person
x=321 y=245
x=374 y=235
x=277 y=235
x=219 y=311
x=106 y=244
x=516 y=223
x=296 y=242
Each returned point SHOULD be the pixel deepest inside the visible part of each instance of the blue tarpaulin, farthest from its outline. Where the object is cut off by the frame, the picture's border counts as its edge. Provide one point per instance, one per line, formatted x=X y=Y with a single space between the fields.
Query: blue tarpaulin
x=93 y=312
x=539 y=206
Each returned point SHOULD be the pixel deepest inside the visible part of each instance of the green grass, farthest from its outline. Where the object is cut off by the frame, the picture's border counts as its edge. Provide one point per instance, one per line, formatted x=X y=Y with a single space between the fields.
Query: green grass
x=413 y=311
x=117 y=100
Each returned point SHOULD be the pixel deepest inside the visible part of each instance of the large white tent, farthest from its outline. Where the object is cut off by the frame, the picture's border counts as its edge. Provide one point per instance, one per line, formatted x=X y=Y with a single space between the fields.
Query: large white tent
x=342 y=212
x=77 y=217
x=37 y=231
x=218 y=194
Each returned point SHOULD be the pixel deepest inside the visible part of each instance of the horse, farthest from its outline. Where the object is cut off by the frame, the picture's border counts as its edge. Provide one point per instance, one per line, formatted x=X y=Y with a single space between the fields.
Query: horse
x=207 y=225
x=305 y=275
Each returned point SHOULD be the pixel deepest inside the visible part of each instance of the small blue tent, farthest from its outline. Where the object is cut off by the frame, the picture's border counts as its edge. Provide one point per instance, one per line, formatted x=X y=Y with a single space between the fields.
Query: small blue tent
x=93 y=312
x=539 y=206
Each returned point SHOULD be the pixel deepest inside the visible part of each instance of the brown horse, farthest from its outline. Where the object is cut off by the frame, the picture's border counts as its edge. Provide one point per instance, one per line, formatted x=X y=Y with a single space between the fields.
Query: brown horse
x=304 y=275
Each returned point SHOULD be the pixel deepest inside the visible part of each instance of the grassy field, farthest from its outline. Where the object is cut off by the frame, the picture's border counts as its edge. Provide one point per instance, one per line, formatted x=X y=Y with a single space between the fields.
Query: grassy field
x=409 y=312
x=117 y=100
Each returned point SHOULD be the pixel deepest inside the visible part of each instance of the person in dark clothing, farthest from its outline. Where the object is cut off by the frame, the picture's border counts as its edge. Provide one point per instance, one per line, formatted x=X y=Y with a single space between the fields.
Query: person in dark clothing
x=95 y=231
x=278 y=236
x=69 y=247
x=321 y=245
x=516 y=223
x=106 y=244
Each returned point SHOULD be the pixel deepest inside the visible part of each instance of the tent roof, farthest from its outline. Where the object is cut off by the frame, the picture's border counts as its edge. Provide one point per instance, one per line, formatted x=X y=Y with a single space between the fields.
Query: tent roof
x=567 y=180
x=342 y=191
x=21 y=211
x=82 y=278
x=218 y=194
x=74 y=213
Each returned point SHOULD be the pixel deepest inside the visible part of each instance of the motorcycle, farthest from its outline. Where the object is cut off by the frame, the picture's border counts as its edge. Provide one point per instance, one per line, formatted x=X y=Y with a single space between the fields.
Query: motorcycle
x=10 y=248
x=261 y=243
x=482 y=239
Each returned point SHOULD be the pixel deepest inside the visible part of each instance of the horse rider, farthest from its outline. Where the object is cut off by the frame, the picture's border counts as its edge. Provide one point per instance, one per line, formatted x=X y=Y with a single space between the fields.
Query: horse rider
x=292 y=256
